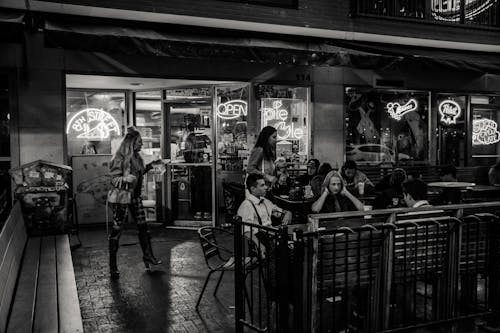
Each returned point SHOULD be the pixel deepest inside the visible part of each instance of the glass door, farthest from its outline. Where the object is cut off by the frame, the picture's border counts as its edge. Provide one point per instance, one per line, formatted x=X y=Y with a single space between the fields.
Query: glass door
x=232 y=117
x=189 y=134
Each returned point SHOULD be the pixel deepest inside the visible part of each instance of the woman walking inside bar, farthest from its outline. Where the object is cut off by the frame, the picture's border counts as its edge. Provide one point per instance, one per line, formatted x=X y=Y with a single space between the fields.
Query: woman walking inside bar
x=127 y=170
x=263 y=155
x=335 y=197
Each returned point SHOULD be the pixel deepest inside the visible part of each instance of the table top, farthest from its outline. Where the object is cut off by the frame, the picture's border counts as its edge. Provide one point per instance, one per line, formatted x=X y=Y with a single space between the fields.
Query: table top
x=451 y=184
x=284 y=198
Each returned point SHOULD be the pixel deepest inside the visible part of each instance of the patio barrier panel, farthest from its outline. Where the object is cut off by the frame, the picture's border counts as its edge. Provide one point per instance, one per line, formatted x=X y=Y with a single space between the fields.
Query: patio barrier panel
x=392 y=270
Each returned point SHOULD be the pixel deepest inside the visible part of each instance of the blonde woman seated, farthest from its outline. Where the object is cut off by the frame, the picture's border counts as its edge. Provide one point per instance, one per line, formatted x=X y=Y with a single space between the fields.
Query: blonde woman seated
x=335 y=197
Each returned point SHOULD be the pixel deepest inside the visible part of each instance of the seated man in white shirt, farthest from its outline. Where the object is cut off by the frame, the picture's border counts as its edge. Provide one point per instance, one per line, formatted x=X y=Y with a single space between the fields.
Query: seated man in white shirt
x=258 y=210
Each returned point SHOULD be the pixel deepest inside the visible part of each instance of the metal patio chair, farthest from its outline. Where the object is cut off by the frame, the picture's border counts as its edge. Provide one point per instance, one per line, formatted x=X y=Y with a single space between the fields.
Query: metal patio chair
x=217 y=257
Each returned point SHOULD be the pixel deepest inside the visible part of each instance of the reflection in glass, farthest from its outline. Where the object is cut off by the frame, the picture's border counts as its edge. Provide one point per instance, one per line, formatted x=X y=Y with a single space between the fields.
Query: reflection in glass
x=386 y=126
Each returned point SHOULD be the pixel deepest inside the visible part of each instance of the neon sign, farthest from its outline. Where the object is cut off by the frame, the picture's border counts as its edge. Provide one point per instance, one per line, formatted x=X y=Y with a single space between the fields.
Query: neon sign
x=232 y=109
x=277 y=117
x=93 y=124
x=485 y=132
x=397 y=111
x=449 y=111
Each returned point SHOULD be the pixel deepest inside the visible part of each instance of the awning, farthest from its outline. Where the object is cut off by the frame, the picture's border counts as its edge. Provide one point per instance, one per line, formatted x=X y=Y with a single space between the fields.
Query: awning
x=11 y=26
x=208 y=44
x=183 y=42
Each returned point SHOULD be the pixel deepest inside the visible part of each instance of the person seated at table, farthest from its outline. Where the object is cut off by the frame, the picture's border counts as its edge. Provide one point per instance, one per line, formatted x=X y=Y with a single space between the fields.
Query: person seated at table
x=494 y=174
x=312 y=170
x=284 y=183
x=392 y=197
x=335 y=196
x=415 y=193
x=447 y=196
x=258 y=210
x=317 y=180
x=353 y=177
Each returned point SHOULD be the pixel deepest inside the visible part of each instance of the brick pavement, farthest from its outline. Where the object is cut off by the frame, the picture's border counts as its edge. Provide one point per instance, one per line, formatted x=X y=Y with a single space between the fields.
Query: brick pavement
x=161 y=301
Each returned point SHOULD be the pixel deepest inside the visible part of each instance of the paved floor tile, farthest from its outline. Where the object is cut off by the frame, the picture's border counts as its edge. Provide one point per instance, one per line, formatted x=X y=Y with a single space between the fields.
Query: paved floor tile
x=161 y=301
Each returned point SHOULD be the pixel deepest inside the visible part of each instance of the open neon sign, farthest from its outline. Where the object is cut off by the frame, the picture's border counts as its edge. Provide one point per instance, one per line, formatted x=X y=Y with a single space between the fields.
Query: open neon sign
x=232 y=109
x=397 y=111
x=484 y=132
x=277 y=116
x=449 y=111
x=93 y=124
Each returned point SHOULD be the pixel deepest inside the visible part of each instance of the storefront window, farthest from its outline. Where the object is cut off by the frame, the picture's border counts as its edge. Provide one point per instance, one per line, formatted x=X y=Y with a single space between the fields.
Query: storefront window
x=94 y=121
x=386 y=126
x=485 y=132
x=231 y=136
x=286 y=109
x=451 y=113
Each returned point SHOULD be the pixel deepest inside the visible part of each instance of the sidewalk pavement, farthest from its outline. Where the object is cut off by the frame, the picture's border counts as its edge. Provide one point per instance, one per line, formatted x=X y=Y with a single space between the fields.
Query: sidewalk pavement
x=161 y=301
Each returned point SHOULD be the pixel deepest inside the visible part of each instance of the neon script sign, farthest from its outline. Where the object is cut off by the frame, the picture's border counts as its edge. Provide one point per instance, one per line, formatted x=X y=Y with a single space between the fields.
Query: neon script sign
x=277 y=116
x=232 y=109
x=485 y=132
x=93 y=124
x=449 y=111
x=397 y=111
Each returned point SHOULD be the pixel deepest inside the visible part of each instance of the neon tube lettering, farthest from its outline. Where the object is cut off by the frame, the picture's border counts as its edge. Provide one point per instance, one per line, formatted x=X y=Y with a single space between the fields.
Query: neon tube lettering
x=397 y=111
x=484 y=132
x=93 y=124
x=232 y=109
x=449 y=111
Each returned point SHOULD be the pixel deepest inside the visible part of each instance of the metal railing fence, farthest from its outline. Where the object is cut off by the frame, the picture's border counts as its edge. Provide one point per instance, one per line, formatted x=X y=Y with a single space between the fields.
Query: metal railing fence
x=417 y=268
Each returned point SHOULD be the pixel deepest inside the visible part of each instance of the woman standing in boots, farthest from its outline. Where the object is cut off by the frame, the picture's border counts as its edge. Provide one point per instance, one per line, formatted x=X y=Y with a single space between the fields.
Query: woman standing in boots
x=127 y=170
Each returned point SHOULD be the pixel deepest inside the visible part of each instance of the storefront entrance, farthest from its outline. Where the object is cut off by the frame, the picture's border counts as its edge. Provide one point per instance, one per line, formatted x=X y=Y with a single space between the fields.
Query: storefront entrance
x=198 y=128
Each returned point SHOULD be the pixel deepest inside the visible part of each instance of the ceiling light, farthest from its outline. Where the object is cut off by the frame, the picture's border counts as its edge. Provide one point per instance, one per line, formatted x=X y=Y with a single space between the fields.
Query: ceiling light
x=136 y=84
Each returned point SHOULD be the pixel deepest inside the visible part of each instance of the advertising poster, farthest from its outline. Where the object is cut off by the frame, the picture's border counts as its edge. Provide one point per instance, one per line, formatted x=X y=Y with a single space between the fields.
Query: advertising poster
x=91 y=182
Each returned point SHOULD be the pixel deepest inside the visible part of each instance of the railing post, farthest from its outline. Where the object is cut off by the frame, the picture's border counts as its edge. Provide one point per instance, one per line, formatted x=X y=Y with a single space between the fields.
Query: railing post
x=239 y=277
x=283 y=280
x=300 y=283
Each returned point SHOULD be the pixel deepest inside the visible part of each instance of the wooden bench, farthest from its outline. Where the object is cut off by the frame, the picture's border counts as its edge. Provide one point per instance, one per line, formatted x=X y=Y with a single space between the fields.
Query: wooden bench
x=38 y=290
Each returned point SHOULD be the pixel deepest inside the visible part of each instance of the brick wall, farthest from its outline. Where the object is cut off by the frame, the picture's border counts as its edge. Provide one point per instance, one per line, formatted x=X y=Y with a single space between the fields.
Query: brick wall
x=325 y=14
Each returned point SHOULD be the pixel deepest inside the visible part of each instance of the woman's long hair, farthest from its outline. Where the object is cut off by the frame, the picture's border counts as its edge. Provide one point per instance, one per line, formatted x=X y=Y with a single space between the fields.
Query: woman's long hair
x=263 y=142
x=329 y=176
x=126 y=149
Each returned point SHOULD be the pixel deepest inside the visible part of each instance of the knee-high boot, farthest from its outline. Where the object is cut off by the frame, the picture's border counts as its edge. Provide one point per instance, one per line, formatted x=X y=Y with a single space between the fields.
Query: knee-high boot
x=147 y=250
x=113 y=249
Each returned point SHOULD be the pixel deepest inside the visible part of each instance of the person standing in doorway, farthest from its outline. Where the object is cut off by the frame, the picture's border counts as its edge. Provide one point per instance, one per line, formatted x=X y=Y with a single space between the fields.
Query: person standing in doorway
x=201 y=177
x=127 y=169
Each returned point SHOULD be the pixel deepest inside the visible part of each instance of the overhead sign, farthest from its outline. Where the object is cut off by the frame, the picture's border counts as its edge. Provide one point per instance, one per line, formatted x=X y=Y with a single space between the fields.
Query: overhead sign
x=397 y=111
x=450 y=111
x=232 y=109
x=93 y=124
x=278 y=116
x=485 y=132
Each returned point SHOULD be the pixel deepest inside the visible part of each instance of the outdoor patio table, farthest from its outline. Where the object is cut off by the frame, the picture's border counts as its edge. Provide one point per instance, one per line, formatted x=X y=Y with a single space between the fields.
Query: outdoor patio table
x=453 y=185
x=299 y=208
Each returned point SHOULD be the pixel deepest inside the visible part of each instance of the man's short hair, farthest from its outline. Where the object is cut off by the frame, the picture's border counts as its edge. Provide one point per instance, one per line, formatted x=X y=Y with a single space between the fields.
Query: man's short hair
x=350 y=165
x=416 y=188
x=448 y=170
x=252 y=180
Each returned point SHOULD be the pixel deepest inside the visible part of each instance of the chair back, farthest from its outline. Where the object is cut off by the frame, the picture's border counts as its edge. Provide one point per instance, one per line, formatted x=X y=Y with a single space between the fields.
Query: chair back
x=208 y=243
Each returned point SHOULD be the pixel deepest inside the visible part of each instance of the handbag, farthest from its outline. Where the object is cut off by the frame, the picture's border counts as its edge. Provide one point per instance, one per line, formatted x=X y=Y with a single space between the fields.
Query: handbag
x=120 y=196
